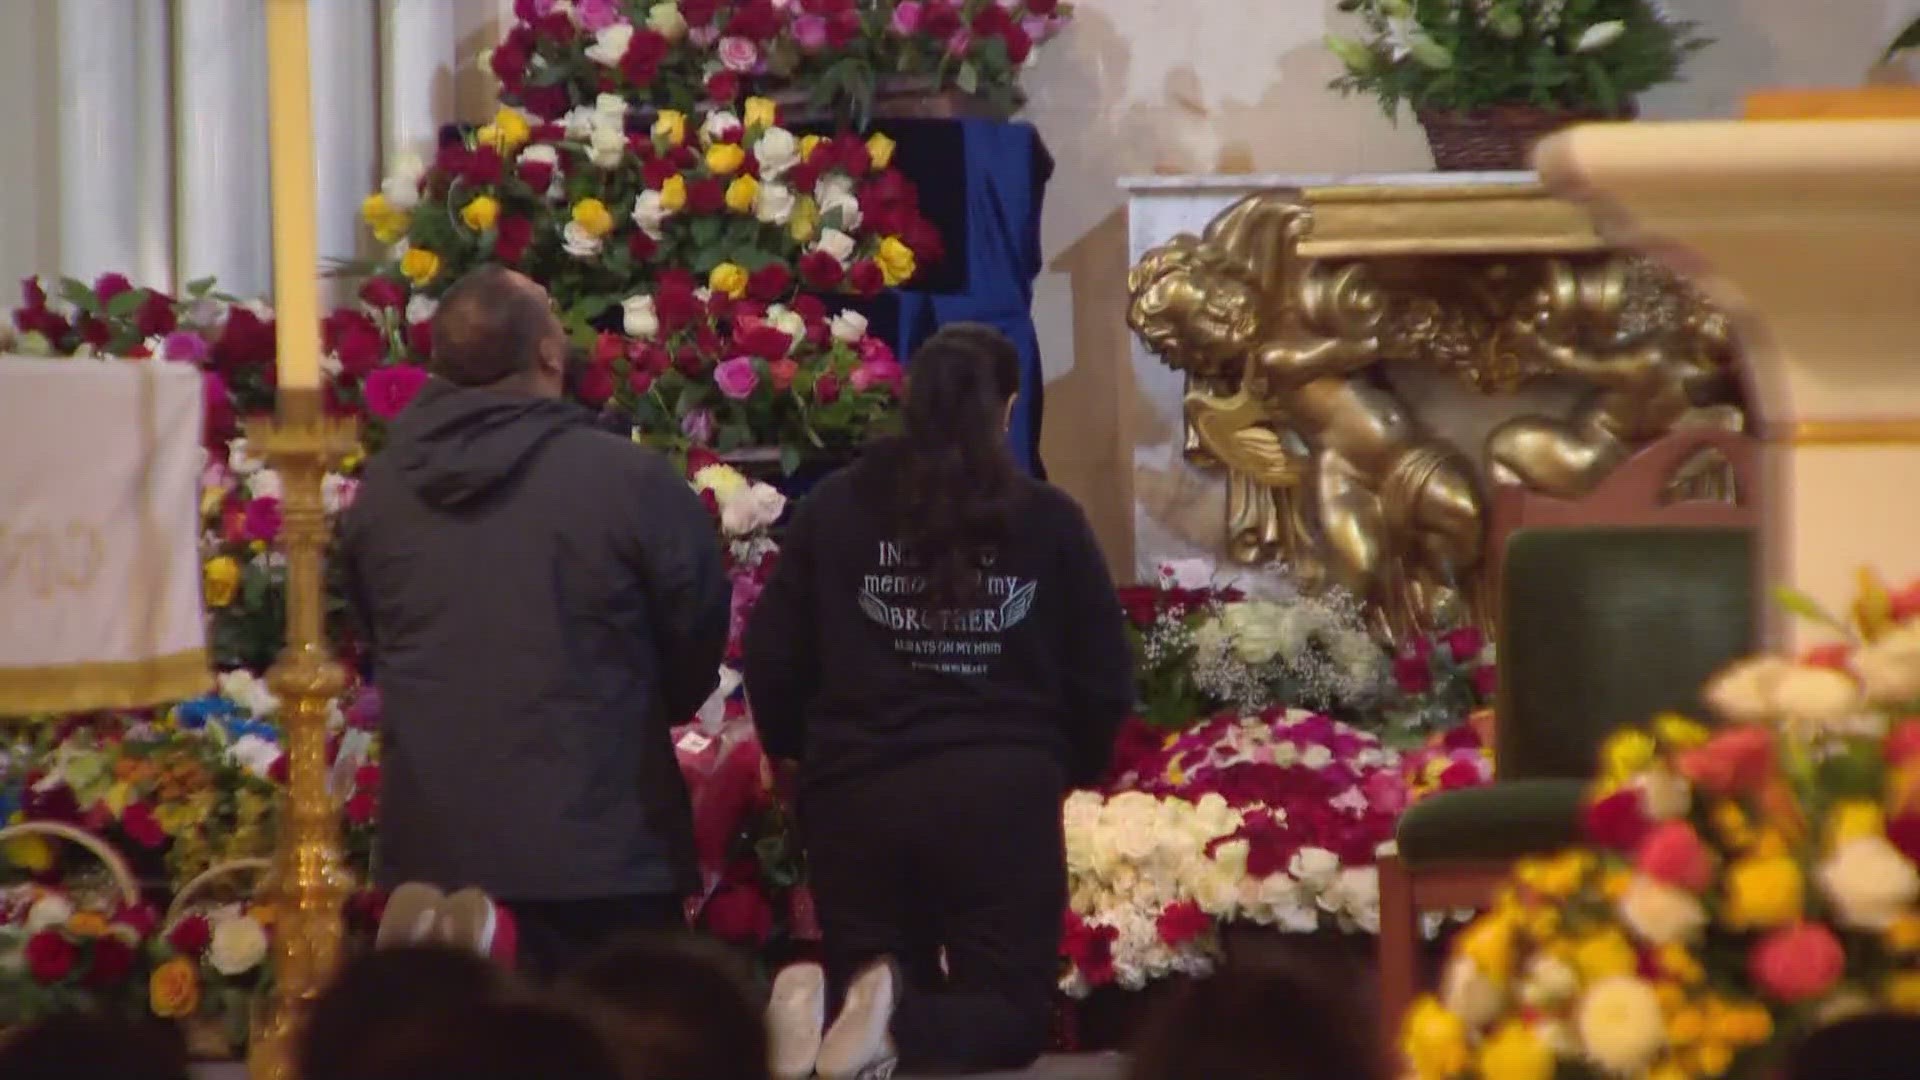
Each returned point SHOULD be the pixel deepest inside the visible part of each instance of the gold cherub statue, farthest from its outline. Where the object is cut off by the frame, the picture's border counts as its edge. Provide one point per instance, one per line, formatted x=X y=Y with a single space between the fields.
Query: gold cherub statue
x=1367 y=499
x=1642 y=387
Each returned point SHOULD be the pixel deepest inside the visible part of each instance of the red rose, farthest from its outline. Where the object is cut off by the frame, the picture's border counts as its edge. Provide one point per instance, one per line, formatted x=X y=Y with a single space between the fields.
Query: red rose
x=782 y=372
x=555 y=26
x=1797 y=964
x=640 y=380
x=109 y=286
x=246 y=341
x=1617 y=823
x=674 y=301
x=155 y=316
x=1486 y=681
x=361 y=807
x=219 y=408
x=1019 y=43
x=483 y=167
x=1141 y=603
x=723 y=87
x=641 y=247
x=137 y=821
x=698 y=13
x=699 y=457
x=50 y=957
x=141 y=918
x=761 y=340
x=419 y=340
x=510 y=60
x=821 y=270
x=1902 y=742
x=190 y=936
x=278 y=771
x=769 y=283
x=512 y=236
x=1737 y=761
x=112 y=961
x=536 y=175
x=95 y=332
x=596 y=386
x=1181 y=923
x=939 y=21
x=607 y=348
x=1090 y=948
x=390 y=390
x=740 y=914
x=355 y=339
x=384 y=293
x=1675 y=855
x=706 y=196
x=1413 y=674
x=1465 y=643
x=548 y=102
x=826 y=388
x=867 y=278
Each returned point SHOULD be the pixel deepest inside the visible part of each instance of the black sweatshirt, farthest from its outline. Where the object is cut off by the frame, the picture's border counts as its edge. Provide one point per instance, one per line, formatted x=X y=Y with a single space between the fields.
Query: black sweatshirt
x=848 y=669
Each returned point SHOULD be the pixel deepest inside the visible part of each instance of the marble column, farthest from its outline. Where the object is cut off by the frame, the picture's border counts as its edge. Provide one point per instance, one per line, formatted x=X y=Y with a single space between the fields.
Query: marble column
x=344 y=39
x=220 y=112
x=419 y=40
x=115 y=190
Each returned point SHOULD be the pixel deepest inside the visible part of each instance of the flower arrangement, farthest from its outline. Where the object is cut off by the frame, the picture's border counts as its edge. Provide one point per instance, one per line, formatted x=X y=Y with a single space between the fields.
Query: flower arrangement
x=208 y=967
x=1441 y=680
x=677 y=254
x=60 y=952
x=674 y=55
x=1467 y=56
x=1740 y=887
x=1200 y=649
x=1456 y=758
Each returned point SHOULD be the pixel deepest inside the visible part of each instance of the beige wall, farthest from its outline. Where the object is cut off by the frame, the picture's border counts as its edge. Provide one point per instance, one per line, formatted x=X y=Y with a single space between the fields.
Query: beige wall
x=1146 y=86
x=29 y=132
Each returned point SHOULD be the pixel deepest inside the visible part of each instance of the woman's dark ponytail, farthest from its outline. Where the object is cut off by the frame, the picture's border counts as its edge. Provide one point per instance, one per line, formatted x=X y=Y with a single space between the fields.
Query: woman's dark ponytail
x=957 y=480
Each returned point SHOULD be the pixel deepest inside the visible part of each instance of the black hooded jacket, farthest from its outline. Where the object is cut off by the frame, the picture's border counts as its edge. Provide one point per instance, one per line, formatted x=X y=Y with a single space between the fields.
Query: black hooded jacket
x=543 y=600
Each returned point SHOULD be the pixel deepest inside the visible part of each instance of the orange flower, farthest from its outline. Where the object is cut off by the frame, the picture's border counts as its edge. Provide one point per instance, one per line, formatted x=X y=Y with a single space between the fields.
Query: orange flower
x=174 y=989
x=87 y=924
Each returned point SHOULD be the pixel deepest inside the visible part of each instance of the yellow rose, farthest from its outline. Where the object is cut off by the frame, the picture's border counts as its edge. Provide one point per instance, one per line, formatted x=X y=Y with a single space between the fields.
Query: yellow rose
x=1434 y=1041
x=420 y=265
x=593 y=217
x=481 y=213
x=32 y=853
x=760 y=112
x=673 y=194
x=1679 y=732
x=1681 y=965
x=508 y=132
x=1712 y=1059
x=86 y=924
x=1516 y=1053
x=896 y=261
x=1627 y=752
x=1904 y=935
x=725 y=159
x=808 y=144
x=1557 y=877
x=1764 y=891
x=222 y=577
x=1605 y=955
x=388 y=222
x=1736 y=831
x=1621 y=1026
x=880 y=149
x=740 y=194
x=805 y=220
x=1903 y=991
x=728 y=278
x=174 y=989
x=1686 y=1027
x=1489 y=944
x=1855 y=820
x=671 y=127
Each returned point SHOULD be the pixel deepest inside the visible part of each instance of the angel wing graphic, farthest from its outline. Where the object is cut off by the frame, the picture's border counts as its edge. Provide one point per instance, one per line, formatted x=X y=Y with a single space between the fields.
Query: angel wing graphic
x=1018 y=605
x=876 y=609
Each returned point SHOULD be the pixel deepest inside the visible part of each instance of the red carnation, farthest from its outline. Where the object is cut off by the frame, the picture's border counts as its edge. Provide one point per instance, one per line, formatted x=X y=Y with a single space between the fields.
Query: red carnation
x=50 y=957
x=1465 y=643
x=596 y=386
x=512 y=236
x=1413 y=673
x=740 y=914
x=137 y=821
x=723 y=87
x=383 y=293
x=769 y=283
x=1090 y=948
x=95 y=332
x=355 y=339
x=155 y=316
x=112 y=962
x=698 y=12
x=1617 y=823
x=246 y=341
x=826 y=388
x=547 y=102
x=821 y=271
x=706 y=196
x=1181 y=923
x=109 y=286
x=867 y=278
x=390 y=390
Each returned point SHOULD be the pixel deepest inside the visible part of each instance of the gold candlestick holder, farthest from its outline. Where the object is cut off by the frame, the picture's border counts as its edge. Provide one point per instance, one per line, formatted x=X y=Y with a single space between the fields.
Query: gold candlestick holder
x=309 y=883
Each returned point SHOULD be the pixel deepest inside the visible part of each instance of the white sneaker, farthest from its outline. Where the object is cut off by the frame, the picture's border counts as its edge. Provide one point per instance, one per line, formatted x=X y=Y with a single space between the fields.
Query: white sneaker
x=859 y=1046
x=412 y=917
x=796 y=1013
x=472 y=920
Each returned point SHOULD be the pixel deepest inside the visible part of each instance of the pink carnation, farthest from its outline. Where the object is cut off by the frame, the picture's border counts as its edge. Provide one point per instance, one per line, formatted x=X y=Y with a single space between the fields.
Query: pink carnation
x=389 y=390
x=906 y=18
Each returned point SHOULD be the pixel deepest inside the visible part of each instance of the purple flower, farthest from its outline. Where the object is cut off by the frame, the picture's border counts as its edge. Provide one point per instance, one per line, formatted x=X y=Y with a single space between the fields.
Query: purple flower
x=906 y=18
x=181 y=345
x=698 y=426
x=736 y=378
x=811 y=32
x=595 y=15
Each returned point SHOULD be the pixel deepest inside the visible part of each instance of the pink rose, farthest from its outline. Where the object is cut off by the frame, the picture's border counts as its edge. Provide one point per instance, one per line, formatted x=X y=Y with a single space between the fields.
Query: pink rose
x=906 y=18
x=810 y=31
x=185 y=346
x=738 y=54
x=263 y=519
x=959 y=43
x=595 y=15
x=390 y=390
x=736 y=378
x=1674 y=854
x=878 y=372
x=1798 y=963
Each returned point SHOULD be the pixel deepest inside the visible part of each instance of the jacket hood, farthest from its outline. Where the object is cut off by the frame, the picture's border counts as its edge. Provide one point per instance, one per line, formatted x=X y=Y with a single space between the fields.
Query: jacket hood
x=456 y=446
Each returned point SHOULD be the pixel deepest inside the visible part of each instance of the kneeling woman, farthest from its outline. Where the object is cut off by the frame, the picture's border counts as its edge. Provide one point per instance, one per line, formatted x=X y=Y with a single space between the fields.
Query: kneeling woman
x=942 y=650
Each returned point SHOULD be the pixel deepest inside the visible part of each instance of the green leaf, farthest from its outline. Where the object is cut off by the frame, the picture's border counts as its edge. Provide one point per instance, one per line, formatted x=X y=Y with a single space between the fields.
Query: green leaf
x=968 y=80
x=200 y=287
x=1603 y=91
x=706 y=231
x=790 y=459
x=1800 y=605
x=127 y=303
x=1908 y=39
x=79 y=295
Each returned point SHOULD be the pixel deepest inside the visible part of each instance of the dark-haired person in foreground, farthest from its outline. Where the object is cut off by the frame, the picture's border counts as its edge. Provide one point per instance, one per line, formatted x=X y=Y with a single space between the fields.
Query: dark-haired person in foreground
x=392 y=990
x=673 y=1007
x=942 y=650
x=543 y=600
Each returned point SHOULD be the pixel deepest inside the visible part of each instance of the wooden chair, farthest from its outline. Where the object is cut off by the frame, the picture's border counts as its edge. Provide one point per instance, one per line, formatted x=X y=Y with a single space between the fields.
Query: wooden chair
x=1613 y=608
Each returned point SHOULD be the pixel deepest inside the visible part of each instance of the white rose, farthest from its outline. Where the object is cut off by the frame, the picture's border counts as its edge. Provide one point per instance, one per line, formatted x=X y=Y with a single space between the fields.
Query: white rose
x=1744 y=692
x=1548 y=982
x=1661 y=914
x=837 y=244
x=1356 y=894
x=1286 y=905
x=337 y=492
x=835 y=195
x=607 y=146
x=773 y=204
x=610 y=108
x=254 y=753
x=610 y=45
x=402 y=189
x=241 y=460
x=47 y=913
x=264 y=484
x=849 y=327
x=248 y=691
x=1817 y=697
x=580 y=243
x=578 y=122
x=777 y=151
x=788 y=322
x=1469 y=994
x=1870 y=883
x=238 y=946
x=638 y=317
x=420 y=308
x=1664 y=795
x=666 y=20
x=650 y=214
x=1314 y=867
x=1621 y=1025
x=1889 y=668
x=719 y=126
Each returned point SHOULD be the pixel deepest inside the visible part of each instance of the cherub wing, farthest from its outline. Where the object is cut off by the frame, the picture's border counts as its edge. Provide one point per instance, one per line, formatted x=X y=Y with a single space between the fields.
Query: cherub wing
x=1018 y=606
x=875 y=609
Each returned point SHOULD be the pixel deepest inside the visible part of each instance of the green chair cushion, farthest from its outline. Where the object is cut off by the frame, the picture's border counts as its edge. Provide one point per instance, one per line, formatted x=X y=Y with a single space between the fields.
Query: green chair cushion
x=1504 y=820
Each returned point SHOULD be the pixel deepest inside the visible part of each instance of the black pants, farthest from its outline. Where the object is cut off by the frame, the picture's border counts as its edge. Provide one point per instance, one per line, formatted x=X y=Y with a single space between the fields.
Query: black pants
x=555 y=935
x=958 y=854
